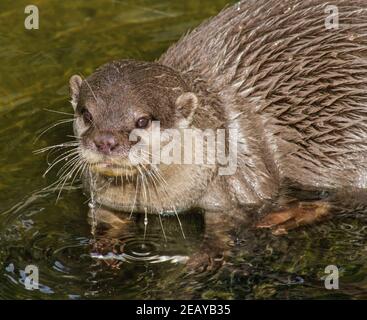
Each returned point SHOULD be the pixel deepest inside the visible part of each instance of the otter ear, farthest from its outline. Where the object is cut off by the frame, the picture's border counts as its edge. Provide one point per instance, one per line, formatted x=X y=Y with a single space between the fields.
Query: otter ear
x=75 y=83
x=187 y=104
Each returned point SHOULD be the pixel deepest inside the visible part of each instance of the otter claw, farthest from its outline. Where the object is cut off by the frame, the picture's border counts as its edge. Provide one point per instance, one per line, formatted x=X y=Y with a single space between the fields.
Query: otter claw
x=203 y=261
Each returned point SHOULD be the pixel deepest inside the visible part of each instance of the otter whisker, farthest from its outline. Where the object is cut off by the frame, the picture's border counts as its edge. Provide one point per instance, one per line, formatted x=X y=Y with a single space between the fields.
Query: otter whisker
x=174 y=207
x=75 y=137
x=143 y=182
x=155 y=181
x=67 y=165
x=51 y=152
x=86 y=168
x=49 y=187
x=80 y=170
x=177 y=216
x=71 y=153
x=57 y=146
x=156 y=173
x=143 y=172
x=69 y=176
x=153 y=167
x=67 y=170
x=64 y=154
x=179 y=222
x=59 y=112
x=164 y=184
x=135 y=197
x=160 y=177
x=145 y=187
x=161 y=223
x=62 y=121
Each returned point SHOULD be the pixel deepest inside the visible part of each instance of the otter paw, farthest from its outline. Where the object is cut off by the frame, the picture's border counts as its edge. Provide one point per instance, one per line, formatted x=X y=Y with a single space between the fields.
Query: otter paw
x=106 y=247
x=302 y=214
x=204 y=261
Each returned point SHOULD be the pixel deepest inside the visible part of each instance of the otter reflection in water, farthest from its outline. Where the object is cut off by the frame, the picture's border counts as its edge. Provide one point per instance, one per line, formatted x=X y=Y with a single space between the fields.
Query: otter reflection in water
x=295 y=92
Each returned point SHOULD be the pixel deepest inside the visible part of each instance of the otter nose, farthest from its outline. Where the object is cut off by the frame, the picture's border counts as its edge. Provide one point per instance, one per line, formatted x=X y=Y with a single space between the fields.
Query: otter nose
x=105 y=142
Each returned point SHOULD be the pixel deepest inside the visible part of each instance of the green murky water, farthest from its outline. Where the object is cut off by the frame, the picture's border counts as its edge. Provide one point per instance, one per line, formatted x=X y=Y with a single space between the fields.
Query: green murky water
x=77 y=37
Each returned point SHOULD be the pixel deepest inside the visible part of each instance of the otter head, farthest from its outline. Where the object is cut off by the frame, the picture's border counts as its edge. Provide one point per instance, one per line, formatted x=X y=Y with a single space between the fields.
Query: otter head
x=119 y=97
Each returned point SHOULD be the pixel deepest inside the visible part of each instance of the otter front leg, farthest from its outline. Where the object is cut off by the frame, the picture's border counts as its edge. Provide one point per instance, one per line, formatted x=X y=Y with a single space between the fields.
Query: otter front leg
x=110 y=224
x=215 y=246
x=301 y=214
x=108 y=227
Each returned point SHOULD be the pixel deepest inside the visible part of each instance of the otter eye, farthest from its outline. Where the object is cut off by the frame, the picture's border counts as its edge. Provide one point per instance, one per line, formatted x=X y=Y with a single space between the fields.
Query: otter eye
x=142 y=122
x=87 y=117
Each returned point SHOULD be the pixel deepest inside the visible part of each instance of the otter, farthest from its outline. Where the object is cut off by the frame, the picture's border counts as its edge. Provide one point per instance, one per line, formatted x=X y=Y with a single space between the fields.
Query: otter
x=294 y=90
